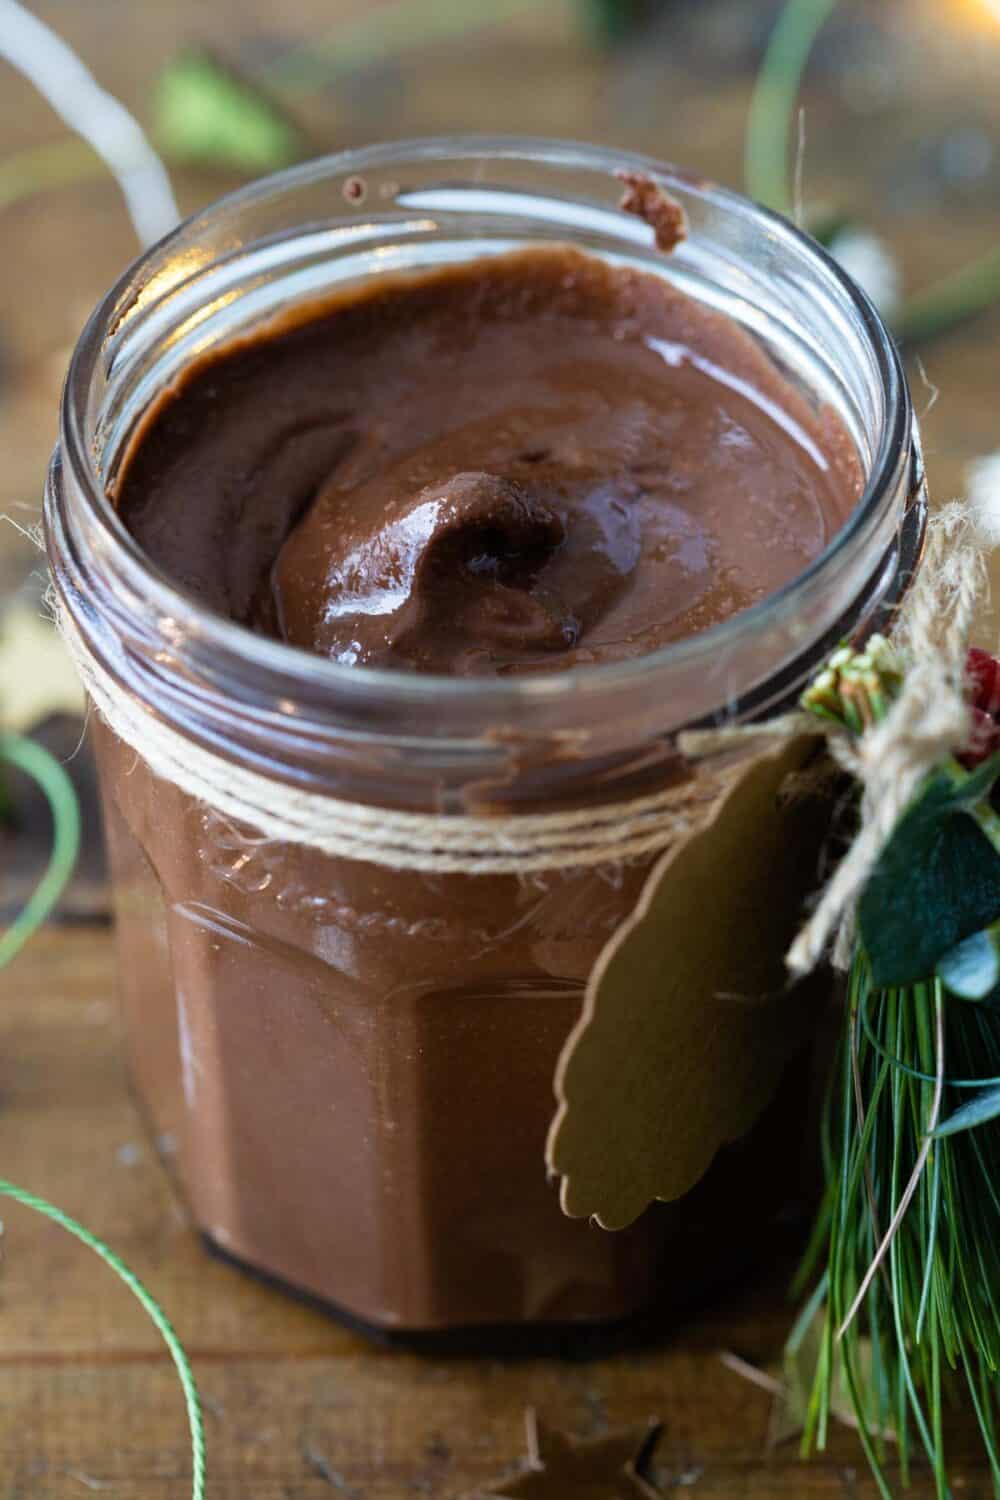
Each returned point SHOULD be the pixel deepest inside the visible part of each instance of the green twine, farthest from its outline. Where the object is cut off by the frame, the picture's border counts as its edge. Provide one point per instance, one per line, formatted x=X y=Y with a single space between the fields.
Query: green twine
x=43 y=768
x=151 y=1307
x=37 y=762
x=387 y=31
x=772 y=108
x=972 y=289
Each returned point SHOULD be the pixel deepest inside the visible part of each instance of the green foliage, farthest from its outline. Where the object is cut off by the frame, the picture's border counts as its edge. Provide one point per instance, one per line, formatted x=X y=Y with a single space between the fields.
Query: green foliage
x=855 y=688
x=52 y=165
x=208 y=115
x=971 y=970
x=37 y=762
x=947 y=303
x=938 y=880
x=972 y=289
x=611 y=20
x=776 y=92
x=984 y=1107
x=928 y=1327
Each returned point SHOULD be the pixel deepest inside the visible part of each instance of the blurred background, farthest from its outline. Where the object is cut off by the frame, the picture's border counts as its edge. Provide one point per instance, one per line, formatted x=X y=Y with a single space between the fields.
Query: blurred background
x=902 y=130
x=900 y=174
x=899 y=104
x=896 y=113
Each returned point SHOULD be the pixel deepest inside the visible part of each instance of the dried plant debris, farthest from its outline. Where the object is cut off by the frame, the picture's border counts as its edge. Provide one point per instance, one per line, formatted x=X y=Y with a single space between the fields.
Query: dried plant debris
x=650 y=201
x=613 y=1467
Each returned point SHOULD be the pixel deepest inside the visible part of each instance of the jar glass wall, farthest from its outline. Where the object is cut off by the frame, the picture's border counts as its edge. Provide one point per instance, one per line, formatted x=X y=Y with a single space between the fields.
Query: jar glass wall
x=354 y=1063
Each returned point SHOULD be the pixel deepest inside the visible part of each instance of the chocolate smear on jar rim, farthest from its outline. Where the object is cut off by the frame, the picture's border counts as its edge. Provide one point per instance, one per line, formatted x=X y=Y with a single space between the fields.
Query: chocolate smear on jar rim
x=654 y=205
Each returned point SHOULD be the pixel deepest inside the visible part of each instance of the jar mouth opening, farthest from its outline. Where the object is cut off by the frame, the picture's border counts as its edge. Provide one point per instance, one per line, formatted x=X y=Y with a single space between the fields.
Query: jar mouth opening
x=325 y=678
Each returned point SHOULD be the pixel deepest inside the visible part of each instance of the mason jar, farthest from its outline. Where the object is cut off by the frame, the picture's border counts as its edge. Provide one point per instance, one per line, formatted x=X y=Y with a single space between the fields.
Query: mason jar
x=350 y=1066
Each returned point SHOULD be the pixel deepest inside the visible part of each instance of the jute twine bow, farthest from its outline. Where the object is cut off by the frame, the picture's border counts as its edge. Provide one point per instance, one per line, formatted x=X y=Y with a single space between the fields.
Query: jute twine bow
x=930 y=720
x=436 y=843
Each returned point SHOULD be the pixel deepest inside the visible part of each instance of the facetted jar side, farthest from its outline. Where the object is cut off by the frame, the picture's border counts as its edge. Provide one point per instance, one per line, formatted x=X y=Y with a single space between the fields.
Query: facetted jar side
x=359 y=1090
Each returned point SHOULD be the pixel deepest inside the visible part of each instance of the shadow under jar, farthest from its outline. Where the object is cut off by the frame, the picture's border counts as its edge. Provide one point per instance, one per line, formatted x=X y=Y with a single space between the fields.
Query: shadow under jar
x=351 y=1065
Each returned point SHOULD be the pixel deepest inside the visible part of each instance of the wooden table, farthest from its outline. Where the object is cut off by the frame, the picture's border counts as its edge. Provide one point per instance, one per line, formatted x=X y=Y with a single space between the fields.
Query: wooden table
x=901 y=113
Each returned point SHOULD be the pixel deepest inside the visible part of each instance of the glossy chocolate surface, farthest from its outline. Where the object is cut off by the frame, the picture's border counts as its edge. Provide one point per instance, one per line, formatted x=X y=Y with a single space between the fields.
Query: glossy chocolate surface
x=527 y=463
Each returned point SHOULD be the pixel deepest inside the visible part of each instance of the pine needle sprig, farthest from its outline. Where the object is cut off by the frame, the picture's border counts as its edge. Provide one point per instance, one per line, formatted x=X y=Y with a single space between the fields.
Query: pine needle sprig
x=903 y=1258
x=942 y=1302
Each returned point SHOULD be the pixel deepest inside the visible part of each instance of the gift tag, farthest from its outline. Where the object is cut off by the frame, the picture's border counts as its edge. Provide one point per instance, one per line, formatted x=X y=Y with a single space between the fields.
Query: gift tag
x=688 y=1020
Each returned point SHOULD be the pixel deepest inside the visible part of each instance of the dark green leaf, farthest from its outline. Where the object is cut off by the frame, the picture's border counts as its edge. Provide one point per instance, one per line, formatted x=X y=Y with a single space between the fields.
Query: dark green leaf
x=972 y=969
x=207 y=114
x=974 y=785
x=611 y=20
x=985 y=1106
x=949 y=302
x=938 y=880
x=826 y=226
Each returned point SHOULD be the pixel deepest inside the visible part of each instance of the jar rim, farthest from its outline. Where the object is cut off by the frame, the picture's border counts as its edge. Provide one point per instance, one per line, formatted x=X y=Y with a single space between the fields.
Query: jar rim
x=499 y=696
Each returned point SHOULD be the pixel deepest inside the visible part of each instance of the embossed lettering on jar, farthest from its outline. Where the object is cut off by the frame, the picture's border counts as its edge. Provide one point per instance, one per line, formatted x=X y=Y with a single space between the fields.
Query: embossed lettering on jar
x=465 y=501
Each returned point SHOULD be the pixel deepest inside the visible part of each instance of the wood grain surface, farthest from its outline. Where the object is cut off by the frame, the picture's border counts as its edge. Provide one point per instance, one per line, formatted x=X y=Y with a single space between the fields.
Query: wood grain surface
x=903 y=128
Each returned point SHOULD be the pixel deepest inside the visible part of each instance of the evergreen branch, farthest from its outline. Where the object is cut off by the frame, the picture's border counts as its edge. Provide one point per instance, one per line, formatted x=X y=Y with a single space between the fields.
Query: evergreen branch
x=935 y=1321
x=911 y=1314
x=973 y=289
x=772 y=107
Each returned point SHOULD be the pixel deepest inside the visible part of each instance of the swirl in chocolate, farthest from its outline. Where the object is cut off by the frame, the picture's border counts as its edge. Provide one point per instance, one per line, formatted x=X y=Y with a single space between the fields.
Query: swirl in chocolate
x=533 y=461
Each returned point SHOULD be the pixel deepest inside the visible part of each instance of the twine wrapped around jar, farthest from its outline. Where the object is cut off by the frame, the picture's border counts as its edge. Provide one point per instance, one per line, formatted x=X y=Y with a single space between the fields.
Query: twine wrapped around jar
x=437 y=844
x=931 y=719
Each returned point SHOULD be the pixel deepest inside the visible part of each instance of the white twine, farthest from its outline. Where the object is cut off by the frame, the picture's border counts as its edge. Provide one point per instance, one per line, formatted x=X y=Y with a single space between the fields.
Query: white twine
x=101 y=119
x=440 y=843
x=984 y=497
x=915 y=1175
x=930 y=720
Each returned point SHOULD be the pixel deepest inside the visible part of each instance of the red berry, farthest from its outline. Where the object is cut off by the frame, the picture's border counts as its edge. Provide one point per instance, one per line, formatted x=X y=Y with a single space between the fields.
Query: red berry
x=983 y=671
x=984 y=739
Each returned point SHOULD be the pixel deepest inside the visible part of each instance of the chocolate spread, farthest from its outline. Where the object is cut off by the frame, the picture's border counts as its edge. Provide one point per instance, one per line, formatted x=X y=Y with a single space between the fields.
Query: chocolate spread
x=534 y=462
x=649 y=201
x=530 y=463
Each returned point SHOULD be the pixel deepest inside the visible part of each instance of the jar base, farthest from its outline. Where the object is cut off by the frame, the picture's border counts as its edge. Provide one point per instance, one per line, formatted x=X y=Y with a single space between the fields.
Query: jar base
x=570 y=1341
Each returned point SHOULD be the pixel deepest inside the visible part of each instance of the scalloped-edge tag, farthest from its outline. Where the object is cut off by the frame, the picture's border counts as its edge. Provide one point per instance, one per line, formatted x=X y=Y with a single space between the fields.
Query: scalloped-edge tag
x=688 y=1021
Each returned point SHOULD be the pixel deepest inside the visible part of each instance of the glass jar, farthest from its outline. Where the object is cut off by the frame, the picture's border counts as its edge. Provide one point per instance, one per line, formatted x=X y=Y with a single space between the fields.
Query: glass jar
x=351 y=1066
